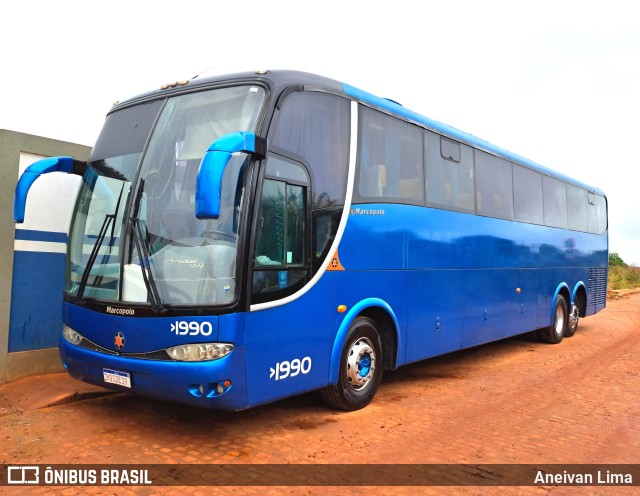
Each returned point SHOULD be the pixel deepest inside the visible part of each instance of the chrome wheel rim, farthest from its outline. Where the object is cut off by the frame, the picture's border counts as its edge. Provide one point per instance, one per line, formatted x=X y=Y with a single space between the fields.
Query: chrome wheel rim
x=574 y=317
x=559 y=320
x=361 y=364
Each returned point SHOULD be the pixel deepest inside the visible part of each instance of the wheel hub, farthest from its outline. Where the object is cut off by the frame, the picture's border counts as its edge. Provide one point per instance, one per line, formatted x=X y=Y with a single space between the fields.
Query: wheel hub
x=574 y=317
x=361 y=363
x=559 y=320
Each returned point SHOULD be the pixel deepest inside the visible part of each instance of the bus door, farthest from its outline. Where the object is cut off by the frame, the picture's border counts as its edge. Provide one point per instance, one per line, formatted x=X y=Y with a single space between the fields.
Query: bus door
x=286 y=334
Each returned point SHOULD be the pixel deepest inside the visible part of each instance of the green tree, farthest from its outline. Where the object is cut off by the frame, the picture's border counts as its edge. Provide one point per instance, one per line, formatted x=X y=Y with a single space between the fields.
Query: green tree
x=615 y=260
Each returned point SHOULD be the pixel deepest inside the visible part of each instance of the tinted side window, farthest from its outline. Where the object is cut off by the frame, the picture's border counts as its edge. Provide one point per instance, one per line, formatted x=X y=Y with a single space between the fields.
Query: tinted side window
x=450 y=184
x=280 y=234
x=596 y=213
x=494 y=186
x=555 y=202
x=527 y=195
x=601 y=206
x=316 y=127
x=280 y=246
x=577 y=208
x=389 y=160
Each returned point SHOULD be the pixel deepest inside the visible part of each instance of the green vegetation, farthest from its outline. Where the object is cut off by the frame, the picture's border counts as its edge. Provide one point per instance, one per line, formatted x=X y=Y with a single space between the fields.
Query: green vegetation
x=621 y=275
x=615 y=260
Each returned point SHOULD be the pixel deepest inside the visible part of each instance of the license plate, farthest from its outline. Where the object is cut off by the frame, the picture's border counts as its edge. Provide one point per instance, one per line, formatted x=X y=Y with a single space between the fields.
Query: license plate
x=117 y=377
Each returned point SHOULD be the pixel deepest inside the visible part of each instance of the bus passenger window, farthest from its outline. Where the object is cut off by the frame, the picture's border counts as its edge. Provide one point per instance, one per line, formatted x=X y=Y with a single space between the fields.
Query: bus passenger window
x=450 y=173
x=596 y=213
x=577 y=208
x=527 y=195
x=390 y=164
x=555 y=202
x=494 y=186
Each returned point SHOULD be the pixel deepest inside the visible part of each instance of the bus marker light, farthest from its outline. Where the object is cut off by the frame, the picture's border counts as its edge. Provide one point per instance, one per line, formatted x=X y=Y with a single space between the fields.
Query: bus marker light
x=342 y=308
x=518 y=290
x=174 y=84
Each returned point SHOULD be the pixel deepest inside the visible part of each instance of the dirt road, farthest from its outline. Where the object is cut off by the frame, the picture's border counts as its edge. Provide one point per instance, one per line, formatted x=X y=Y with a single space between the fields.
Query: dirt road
x=511 y=402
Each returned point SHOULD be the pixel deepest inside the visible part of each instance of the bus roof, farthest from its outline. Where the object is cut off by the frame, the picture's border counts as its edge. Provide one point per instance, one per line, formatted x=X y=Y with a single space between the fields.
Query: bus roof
x=279 y=80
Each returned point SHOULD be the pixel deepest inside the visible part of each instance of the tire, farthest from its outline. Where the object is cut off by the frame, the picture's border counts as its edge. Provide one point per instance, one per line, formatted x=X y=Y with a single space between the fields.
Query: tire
x=360 y=368
x=574 y=315
x=572 y=322
x=557 y=330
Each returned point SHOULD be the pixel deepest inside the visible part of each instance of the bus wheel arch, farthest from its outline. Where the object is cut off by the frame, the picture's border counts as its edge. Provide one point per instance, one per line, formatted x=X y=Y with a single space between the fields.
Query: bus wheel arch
x=387 y=326
x=366 y=343
x=559 y=317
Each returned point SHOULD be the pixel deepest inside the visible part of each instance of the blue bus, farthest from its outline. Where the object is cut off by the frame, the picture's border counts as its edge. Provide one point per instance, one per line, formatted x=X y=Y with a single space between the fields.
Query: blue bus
x=241 y=239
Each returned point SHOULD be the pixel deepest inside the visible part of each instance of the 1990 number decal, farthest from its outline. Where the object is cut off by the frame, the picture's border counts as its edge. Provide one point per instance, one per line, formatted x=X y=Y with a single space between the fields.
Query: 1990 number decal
x=183 y=327
x=286 y=369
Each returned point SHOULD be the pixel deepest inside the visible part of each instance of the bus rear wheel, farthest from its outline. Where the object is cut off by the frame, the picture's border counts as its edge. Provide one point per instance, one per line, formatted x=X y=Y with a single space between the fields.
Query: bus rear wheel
x=360 y=368
x=558 y=329
x=574 y=315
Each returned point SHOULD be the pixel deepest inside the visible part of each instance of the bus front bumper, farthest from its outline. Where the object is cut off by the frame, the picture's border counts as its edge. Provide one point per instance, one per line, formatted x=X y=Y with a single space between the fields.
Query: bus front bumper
x=218 y=384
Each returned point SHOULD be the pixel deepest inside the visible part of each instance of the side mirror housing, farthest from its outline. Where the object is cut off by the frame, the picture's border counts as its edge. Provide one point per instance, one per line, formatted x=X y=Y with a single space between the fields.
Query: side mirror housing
x=33 y=172
x=212 y=167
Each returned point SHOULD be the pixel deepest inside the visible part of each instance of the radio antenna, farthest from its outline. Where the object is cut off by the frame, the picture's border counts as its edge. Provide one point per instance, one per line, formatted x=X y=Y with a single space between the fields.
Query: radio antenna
x=201 y=73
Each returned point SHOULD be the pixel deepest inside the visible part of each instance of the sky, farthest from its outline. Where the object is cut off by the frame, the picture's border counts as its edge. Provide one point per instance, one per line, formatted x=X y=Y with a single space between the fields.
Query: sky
x=555 y=81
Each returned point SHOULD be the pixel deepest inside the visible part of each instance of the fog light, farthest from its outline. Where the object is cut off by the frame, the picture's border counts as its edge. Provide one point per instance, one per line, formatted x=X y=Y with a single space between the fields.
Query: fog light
x=219 y=388
x=197 y=390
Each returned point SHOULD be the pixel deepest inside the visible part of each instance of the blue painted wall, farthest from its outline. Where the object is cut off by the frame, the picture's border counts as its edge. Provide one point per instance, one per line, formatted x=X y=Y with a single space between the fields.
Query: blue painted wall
x=36 y=294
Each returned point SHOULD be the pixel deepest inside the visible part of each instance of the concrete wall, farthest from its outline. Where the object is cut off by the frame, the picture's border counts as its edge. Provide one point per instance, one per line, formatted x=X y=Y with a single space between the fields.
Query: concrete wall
x=32 y=256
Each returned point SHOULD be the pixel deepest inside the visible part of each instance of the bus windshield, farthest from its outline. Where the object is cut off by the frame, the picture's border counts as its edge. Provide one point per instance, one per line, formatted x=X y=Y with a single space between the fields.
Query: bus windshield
x=134 y=235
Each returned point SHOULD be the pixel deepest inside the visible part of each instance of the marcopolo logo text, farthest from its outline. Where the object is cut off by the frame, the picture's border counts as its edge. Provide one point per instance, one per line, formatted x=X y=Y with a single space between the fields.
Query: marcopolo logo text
x=367 y=211
x=120 y=311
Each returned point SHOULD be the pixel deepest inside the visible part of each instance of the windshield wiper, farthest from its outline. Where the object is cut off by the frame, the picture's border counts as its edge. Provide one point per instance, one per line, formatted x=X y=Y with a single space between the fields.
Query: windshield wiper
x=109 y=221
x=141 y=245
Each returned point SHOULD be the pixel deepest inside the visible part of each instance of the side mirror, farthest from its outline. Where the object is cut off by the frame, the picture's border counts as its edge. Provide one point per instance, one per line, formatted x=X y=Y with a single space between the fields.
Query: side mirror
x=33 y=172
x=214 y=162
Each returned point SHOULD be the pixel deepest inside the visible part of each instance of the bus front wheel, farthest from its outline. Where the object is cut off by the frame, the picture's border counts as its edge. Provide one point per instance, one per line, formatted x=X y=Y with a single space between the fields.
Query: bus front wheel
x=558 y=329
x=360 y=368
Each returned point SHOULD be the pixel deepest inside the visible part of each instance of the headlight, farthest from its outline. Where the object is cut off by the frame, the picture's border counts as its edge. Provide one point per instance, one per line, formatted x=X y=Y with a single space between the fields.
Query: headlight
x=71 y=336
x=199 y=352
